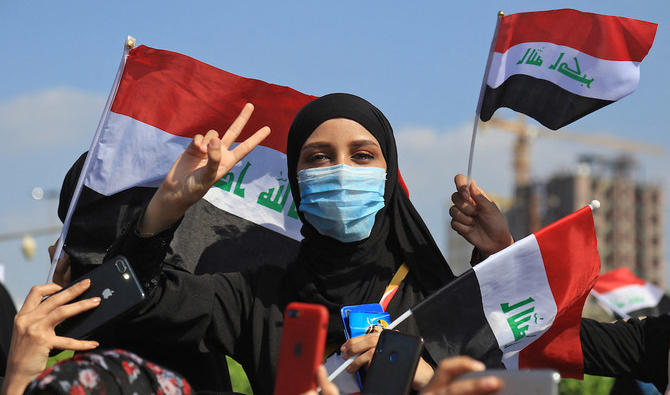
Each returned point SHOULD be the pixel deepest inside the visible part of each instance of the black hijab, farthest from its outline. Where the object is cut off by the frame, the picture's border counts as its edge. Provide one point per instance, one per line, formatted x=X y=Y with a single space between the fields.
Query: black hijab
x=336 y=274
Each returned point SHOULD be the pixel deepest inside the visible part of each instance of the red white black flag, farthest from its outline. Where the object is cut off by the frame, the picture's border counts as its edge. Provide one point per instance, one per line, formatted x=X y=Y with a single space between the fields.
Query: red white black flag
x=522 y=306
x=164 y=98
x=557 y=66
x=627 y=295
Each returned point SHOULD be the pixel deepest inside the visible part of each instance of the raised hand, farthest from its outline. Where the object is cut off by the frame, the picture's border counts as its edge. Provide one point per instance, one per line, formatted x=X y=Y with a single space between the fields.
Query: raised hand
x=478 y=219
x=34 y=335
x=205 y=160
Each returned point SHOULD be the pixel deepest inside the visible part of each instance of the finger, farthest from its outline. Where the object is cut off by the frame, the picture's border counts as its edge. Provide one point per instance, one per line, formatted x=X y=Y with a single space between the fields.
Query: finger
x=480 y=386
x=465 y=206
x=450 y=368
x=67 y=343
x=359 y=344
x=65 y=296
x=196 y=143
x=238 y=124
x=64 y=312
x=37 y=293
x=461 y=182
x=462 y=229
x=209 y=136
x=458 y=216
x=249 y=144
x=213 y=161
x=327 y=388
x=362 y=360
x=478 y=195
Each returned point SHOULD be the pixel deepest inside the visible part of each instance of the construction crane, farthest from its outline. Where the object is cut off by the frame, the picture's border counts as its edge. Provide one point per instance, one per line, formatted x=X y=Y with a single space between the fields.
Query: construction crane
x=525 y=133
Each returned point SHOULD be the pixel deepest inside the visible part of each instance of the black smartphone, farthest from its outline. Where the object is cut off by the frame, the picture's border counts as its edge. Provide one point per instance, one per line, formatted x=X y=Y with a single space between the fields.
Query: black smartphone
x=393 y=364
x=115 y=283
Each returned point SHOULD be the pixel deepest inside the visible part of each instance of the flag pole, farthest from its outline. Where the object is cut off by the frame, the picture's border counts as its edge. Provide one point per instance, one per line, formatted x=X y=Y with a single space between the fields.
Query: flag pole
x=349 y=361
x=482 y=89
x=128 y=45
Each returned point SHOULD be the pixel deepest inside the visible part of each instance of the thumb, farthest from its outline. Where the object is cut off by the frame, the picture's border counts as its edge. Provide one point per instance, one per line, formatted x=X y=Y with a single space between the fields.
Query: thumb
x=479 y=196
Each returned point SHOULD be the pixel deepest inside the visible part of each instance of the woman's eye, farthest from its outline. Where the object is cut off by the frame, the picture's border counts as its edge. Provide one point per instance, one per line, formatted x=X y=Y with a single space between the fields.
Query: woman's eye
x=363 y=156
x=317 y=157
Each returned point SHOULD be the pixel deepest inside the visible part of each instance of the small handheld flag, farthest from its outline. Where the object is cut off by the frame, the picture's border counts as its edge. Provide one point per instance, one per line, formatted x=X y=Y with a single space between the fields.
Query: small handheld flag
x=557 y=66
x=627 y=295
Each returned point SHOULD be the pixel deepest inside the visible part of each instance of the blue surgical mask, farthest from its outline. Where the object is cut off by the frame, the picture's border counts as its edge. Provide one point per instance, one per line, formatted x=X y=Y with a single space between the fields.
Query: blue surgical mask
x=341 y=201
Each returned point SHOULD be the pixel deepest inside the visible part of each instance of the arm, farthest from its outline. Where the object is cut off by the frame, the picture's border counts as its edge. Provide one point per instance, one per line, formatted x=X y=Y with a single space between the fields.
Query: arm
x=478 y=219
x=634 y=348
x=181 y=306
x=34 y=335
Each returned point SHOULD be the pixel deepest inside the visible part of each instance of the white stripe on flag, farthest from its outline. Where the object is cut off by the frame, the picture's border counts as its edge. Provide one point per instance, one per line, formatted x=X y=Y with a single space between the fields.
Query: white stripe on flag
x=132 y=153
x=612 y=80
x=632 y=297
x=518 y=303
x=259 y=191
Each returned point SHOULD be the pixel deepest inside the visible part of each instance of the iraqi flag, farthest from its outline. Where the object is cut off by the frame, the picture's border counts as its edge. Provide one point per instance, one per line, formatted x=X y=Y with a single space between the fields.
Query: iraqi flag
x=522 y=306
x=627 y=295
x=557 y=66
x=163 y=100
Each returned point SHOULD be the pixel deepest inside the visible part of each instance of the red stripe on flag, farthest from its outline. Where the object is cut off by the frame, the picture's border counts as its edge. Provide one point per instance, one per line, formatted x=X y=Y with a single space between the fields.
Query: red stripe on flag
x=183 y=96
x=602 y=36
x=617 y=278
x=567 y=246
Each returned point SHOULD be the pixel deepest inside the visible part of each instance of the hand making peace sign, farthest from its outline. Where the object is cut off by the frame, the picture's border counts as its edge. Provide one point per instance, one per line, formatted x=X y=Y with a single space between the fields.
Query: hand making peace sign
x=206 y=159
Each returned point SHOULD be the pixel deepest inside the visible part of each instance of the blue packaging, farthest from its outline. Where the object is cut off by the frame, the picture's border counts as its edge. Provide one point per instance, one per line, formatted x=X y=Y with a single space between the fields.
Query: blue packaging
x=360 y=321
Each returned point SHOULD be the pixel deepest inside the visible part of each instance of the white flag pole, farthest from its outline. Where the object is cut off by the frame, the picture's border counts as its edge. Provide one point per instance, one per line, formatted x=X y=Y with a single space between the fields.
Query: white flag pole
x=594 y=205
x=128 y=45
x=482 y=89
x=349 y=361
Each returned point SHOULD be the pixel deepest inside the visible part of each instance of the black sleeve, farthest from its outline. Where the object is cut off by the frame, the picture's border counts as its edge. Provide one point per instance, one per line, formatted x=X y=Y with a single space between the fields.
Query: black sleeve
x=635 y=348
x=181 y=308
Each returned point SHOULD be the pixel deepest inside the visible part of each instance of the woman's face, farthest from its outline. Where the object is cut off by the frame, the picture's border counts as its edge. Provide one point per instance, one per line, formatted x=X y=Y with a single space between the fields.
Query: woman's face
x=341 y=141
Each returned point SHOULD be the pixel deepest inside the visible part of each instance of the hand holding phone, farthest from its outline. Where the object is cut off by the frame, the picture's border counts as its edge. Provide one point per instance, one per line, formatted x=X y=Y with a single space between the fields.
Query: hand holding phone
x=393 y=365
x=302 y=344
x=115 y=283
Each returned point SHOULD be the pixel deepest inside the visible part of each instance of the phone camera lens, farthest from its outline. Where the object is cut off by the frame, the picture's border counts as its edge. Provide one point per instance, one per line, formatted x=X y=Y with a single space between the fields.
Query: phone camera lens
x=393 y=356
x=120 y=266
x=293 y=313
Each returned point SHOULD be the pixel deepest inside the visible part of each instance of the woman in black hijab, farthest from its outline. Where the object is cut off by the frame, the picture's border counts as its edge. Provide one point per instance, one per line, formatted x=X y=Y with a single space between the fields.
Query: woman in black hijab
x=335 y=274
x=241 y=314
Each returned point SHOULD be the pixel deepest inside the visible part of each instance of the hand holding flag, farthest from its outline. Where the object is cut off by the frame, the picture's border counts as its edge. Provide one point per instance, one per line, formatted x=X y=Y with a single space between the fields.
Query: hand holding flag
x=478 y=219
x=205 y=161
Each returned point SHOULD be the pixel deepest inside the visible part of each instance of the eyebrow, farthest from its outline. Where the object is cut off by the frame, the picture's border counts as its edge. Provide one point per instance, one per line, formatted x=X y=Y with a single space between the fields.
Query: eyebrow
x=354 y=144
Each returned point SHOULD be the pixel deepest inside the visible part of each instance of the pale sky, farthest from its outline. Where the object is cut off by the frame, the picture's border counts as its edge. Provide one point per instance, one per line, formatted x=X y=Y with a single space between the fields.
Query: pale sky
x=422 y=65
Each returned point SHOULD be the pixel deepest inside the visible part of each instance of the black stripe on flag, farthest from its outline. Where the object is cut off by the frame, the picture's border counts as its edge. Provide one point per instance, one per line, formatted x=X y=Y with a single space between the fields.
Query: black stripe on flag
x=452 y=322
x=551 y=105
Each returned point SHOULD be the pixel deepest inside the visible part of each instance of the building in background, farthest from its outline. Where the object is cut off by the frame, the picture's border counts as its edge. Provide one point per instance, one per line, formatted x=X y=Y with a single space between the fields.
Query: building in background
x=629 y=223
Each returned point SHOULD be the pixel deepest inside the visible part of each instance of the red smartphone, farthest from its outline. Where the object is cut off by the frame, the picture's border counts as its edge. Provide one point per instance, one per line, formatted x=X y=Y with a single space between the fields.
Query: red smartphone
x=301 y=349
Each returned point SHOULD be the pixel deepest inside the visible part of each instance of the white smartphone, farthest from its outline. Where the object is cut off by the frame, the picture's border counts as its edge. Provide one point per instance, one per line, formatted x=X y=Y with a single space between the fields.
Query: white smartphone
x=535 y=382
